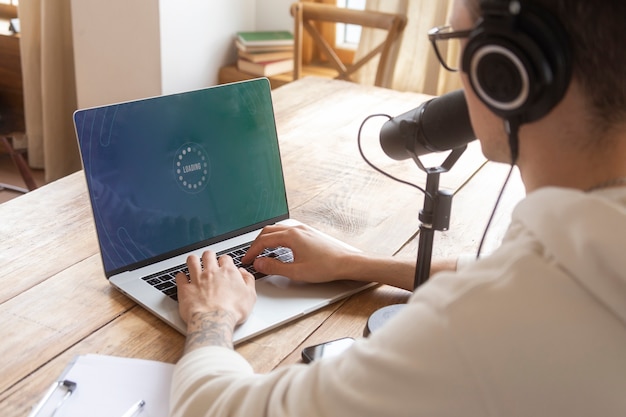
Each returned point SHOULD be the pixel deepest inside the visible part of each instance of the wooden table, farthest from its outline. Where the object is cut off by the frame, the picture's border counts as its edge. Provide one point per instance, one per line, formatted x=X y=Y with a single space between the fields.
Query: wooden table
x=55 y=302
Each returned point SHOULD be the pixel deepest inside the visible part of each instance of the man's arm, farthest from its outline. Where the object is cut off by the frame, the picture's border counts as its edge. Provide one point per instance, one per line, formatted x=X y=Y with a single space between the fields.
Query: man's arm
x=214 y=328
x=318 y=259
x=213 y=300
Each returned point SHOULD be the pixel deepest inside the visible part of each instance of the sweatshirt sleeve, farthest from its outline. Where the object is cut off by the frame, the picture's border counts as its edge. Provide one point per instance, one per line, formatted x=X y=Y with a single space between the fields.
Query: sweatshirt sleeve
x=464 y=260
x=407 y=368
x=201 y=376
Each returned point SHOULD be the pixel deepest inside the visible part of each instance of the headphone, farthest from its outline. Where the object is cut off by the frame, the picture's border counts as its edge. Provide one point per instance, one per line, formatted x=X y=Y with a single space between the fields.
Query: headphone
x=518 y=60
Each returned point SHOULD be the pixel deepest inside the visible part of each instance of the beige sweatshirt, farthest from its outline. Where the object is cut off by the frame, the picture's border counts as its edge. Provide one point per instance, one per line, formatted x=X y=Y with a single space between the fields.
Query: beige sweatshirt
x=538 y=328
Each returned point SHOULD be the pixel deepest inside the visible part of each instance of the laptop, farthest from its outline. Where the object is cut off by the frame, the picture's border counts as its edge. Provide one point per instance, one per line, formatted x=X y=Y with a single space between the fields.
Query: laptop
x=178 y=174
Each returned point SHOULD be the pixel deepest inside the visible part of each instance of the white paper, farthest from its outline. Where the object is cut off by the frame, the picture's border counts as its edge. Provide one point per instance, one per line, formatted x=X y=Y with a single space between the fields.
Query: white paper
x=108 y=386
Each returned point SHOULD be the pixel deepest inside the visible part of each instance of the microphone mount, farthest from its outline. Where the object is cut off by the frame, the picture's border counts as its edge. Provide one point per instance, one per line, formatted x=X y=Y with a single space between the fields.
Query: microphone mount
x=435 y=214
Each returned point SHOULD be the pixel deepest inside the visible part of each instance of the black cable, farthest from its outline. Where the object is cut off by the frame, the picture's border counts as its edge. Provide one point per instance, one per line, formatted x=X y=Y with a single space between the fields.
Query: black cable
x=493 y=212
x=511 y=129
x=426 y=193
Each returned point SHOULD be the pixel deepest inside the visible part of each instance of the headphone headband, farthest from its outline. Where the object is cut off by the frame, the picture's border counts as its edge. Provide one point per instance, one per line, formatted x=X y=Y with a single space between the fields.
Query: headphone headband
x=503 y=7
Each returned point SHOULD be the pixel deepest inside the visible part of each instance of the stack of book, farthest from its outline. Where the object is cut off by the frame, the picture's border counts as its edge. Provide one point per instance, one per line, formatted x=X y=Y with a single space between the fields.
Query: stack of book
x=265 y=53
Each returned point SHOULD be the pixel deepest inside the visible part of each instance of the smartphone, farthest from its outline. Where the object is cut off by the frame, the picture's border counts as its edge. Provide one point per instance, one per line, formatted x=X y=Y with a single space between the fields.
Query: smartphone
x=324 y=350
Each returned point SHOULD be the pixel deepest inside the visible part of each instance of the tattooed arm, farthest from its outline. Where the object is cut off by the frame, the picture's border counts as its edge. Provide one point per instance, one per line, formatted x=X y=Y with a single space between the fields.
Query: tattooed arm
x=213 y=300
x=213 y=328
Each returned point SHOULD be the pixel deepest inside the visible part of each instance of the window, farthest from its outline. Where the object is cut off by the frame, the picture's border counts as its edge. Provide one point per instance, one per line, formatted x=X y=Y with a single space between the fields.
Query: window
x=347 y=36
x=9 y=2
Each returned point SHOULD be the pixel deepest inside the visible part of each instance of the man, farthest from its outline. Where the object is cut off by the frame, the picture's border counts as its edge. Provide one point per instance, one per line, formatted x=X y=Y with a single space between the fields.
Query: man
x=536 y=328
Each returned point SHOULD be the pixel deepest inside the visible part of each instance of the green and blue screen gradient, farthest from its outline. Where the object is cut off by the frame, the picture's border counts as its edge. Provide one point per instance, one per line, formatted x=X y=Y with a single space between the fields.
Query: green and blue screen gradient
x=177 y=172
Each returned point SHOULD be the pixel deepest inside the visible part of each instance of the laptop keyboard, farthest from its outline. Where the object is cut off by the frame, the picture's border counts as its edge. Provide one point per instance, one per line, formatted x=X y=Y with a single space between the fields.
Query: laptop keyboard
x=165 y=281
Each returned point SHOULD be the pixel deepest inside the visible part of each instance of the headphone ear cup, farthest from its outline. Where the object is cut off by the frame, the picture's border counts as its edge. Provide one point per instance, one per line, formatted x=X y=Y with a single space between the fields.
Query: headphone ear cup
x=500 y=75
x=519 y=64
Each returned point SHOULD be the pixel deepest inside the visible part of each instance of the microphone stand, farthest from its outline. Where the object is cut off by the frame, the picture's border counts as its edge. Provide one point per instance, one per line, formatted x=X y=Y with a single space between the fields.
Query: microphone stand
x=435 y=215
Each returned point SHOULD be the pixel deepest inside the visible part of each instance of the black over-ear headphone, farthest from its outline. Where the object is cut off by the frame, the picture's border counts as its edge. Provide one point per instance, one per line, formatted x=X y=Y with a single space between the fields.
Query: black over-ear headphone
x=518 y=59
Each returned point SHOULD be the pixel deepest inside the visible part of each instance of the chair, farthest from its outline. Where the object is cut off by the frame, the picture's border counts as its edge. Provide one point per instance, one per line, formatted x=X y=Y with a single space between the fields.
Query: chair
x=12 y=109
x=20 y=163
x=309 y=16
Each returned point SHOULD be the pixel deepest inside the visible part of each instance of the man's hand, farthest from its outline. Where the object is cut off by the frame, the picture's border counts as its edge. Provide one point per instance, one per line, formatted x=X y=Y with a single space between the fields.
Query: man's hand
x=213 y=300
x=316 y=258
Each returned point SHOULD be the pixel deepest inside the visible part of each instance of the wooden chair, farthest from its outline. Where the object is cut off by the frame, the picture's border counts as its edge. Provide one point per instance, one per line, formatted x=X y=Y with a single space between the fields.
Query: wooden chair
x=308 y=16
x=20 y=163
x=12 y=109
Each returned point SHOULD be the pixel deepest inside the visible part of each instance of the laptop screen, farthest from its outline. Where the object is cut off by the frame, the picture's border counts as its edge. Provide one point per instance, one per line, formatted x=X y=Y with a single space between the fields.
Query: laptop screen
x=177 y=172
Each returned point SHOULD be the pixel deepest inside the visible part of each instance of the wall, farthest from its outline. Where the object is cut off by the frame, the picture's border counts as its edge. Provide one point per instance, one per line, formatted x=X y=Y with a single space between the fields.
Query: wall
x=273 y=14
x=198 y=38
x=131 y=49
x=116 y=56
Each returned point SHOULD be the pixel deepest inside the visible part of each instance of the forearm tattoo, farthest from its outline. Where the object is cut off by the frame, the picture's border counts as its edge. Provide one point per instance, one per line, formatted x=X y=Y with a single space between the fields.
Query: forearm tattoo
x=214 y=328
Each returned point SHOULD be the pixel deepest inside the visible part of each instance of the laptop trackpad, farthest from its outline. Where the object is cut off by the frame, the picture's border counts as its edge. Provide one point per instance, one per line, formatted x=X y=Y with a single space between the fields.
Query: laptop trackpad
x=277 y=294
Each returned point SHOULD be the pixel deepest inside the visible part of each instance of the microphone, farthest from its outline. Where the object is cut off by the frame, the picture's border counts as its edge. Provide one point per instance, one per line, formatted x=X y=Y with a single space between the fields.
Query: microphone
x=438 y=125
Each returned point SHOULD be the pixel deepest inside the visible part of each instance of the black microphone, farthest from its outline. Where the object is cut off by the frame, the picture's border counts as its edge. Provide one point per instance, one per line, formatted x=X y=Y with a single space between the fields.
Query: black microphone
x=438 y=125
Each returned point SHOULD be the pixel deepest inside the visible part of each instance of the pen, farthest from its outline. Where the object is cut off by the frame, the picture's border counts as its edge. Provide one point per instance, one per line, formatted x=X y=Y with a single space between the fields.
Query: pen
x=70 y=388
x=136 y=408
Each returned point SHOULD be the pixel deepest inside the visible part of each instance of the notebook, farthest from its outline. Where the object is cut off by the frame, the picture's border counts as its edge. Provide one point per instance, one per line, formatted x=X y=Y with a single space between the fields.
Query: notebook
x=178 y=174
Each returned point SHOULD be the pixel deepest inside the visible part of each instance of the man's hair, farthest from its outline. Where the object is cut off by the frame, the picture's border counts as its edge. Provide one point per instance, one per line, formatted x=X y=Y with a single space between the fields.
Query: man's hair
x=595 y=29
